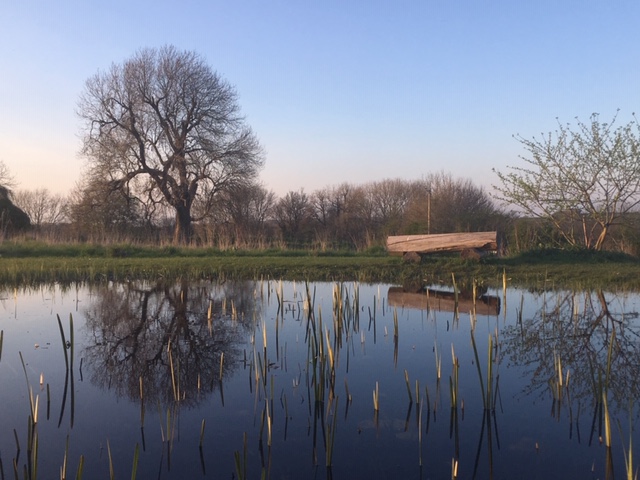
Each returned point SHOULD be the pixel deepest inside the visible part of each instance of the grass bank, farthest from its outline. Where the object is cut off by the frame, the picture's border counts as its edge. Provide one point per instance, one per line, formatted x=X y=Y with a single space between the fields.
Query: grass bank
x=31 y=264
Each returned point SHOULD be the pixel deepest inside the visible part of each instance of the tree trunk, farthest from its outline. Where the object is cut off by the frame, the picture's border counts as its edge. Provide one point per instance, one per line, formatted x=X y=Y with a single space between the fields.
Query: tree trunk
x=183 y=231
x=601 y=238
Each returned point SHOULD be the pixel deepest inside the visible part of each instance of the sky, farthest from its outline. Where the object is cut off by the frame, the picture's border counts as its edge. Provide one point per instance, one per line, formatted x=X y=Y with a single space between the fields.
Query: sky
x=336 y=91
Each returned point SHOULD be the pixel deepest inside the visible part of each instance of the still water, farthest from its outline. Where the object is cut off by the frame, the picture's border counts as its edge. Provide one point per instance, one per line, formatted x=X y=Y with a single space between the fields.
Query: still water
x=237 y=380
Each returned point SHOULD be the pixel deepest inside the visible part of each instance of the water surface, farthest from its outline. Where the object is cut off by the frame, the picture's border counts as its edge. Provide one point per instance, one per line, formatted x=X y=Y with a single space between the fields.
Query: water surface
x=292 y=368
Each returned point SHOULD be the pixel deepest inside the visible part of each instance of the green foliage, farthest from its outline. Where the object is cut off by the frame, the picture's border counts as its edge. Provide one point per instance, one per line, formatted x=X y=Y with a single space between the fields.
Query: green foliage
x=570 y=256
x=583 y=180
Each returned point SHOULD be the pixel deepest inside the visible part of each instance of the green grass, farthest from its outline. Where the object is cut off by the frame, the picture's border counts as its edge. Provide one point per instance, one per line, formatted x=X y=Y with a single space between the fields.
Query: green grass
x=32 y=263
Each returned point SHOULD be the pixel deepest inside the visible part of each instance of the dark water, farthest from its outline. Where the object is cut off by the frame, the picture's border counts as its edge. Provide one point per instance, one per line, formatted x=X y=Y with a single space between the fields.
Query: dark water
x=295 y=410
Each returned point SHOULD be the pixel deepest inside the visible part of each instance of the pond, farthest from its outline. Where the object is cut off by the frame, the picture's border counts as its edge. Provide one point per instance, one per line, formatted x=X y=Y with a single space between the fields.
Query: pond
x=322 y=380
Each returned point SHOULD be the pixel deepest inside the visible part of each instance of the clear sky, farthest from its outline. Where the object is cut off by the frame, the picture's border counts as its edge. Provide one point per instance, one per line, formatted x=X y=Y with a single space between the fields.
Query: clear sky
x=336 y=91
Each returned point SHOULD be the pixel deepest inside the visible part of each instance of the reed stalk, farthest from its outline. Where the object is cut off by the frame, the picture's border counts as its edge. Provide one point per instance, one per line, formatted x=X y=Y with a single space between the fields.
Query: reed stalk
x=455 y=295
x=490 y=400
x=141 y=402
x=174 y=385
x=419 y=432
x=395 y=324
x=29 y=389
x=1 y=341
x=376 y=398
x=63 y=468
x=34 y=457
x=438 y=362
x=15 y=436
x=202 y=432
x=607 y=422
x=64 y=343
x=504 y=286
x=72 y=342
x=331 y=434
x=112 y=473
x=136 y=456
x=477 y=362
x=346 y=388
x=453 y=380
x=406 y=379
x=628 y=454
x=80 y=469
x=241 y=463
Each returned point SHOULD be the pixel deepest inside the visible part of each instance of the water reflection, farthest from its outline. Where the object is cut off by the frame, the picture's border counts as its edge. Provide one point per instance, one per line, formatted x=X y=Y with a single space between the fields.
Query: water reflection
x=299 y=403
x=576 y=329
x=464 y=300
x=168 y=340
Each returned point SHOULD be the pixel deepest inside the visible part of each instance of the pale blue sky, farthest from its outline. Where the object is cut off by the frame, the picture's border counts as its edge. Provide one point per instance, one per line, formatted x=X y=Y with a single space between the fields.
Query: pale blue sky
x=336 y=91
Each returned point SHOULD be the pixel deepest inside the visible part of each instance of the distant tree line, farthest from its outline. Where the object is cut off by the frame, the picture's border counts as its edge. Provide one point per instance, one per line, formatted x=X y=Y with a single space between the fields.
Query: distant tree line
x=346 y=216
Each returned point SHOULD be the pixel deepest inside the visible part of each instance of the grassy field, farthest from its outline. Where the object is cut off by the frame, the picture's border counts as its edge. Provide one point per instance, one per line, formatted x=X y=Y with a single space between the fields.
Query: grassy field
x=31 y=263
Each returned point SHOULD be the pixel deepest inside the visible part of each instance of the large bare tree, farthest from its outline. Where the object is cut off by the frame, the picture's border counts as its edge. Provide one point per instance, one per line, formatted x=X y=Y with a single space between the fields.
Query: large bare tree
x=167 y=127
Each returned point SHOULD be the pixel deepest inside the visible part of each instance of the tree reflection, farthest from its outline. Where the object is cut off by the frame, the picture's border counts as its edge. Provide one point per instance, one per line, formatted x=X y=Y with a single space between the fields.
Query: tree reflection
x=135 y=324
x=578 y=329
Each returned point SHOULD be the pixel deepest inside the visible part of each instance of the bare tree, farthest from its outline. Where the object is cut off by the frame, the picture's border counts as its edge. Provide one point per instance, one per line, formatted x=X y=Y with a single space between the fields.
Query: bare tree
x=583 y=181
x=98 y=212
x=292 y=212
x=6 y=179
x=248 y=209
x=166 y=120
x=42 y=206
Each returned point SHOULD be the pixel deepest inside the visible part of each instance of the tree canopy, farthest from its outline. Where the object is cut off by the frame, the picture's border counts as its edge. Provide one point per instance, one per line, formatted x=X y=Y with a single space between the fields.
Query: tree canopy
x=166 y=129
x=583 y=180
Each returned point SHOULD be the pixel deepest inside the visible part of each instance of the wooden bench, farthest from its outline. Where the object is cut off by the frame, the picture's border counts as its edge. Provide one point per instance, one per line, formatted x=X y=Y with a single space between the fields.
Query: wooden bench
x=469 y=244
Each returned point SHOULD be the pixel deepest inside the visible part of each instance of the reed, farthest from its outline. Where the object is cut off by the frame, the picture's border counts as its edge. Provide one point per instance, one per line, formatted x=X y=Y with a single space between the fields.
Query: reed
x=419 y=432
x=504 y=287
x=490 y=399
x=112 y=473
x=438 y=362
x=72 y=345
x=376 y=398
x=1 y=341
x=34 y=457
x=455 y=295
x=136 y=456
x=346 y=388
x=607 y=422
x=29 y=389
x=63 y=468
x=331 y=433
x=406 y=379
x=628 y=453
x=454 y=380
x=64 y=342
x=141 y=402
x=80 y=468
x=174 y=383
x=269 y=420
x=477 y=362
x=202 y=432
x=395 y=325
x=15 y=436
x=241 y=462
